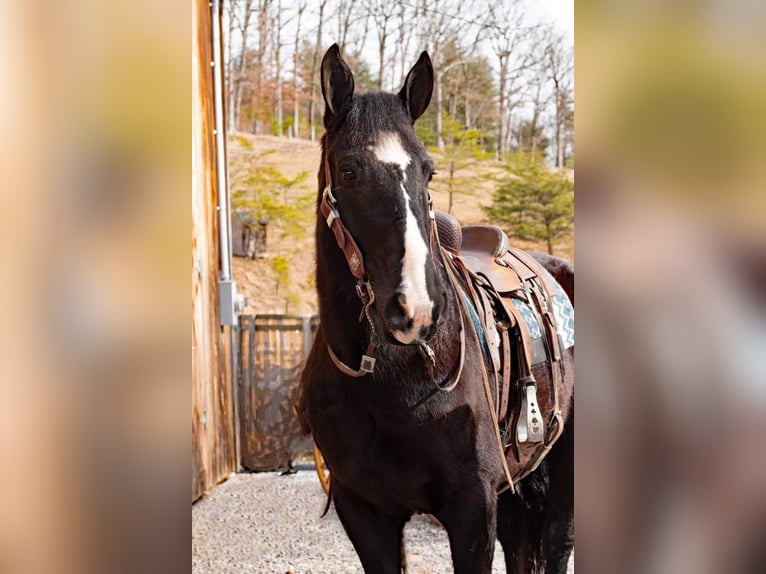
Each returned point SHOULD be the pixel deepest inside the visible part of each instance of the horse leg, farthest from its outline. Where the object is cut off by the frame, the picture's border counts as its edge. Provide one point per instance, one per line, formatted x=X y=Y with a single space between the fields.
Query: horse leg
x=515 y=534
x=470 y=523
x=535 y=525
x=558 y=537
x=377 y=537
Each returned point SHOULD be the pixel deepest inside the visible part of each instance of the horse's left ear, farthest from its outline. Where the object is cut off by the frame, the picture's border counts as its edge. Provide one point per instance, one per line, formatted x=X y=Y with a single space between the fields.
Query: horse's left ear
x=418 y=87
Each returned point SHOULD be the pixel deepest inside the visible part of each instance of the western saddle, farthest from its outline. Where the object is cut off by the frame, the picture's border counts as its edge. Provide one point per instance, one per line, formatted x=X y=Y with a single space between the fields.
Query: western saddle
x=512 y=296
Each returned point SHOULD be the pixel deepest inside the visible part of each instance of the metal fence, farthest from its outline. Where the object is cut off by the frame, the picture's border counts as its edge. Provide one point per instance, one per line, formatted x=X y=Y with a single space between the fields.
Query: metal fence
x=271 y=353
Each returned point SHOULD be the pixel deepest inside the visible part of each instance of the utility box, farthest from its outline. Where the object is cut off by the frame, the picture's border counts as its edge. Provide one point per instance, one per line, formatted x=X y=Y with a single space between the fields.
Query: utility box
x=231 y=302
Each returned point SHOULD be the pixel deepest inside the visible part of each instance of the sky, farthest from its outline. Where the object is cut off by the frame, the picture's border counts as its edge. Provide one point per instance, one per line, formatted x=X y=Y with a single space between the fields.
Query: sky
x=558 y=12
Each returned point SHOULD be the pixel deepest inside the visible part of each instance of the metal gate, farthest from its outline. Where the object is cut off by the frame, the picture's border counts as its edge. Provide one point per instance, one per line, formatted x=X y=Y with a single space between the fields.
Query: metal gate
x=272 y=352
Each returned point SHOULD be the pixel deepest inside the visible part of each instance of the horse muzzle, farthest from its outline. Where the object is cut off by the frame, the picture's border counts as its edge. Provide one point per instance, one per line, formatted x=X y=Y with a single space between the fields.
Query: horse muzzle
x=411 y=324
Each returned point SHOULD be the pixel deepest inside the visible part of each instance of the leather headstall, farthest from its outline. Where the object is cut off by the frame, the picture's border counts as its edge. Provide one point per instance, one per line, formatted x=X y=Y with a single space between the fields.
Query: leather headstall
x=355 y=260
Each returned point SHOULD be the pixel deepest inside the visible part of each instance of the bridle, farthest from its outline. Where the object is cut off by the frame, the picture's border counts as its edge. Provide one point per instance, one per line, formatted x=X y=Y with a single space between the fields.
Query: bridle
x=355 y=260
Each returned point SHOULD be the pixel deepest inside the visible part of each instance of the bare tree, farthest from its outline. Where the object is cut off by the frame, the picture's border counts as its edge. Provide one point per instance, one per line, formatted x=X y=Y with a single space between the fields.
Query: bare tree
x=381 y=14
x=511 y=42
x=442 y=21
x=232 y=21
x=346 y=9
x=559 y=63
x=539 y=99
x=314 y=70
x=296 y=50
x=407 y=16
x=241 y=12
x=260 y=58
x=278 y=67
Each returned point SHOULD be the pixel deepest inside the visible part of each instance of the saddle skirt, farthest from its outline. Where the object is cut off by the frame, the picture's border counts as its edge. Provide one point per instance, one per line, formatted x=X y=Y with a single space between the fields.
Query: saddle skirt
x=527 y=320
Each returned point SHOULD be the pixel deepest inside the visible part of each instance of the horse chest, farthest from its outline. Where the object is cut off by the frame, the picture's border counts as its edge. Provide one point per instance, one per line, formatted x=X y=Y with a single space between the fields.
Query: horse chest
x=373 y=452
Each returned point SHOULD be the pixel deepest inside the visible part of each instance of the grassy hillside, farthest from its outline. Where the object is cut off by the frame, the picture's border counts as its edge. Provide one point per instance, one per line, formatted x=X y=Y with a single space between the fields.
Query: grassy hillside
x=273 y=287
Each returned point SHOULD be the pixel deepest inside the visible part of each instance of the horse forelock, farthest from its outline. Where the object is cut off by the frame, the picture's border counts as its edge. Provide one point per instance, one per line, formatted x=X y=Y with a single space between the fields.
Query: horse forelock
x=372 y=114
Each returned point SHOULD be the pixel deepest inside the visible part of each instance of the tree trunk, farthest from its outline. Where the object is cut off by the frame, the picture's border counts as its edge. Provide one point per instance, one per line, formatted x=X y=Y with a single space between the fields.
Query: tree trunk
x=314 y=67
x=382 y=56
x=381 y=14
x=345 y=20
x=548 y=238
x=467 y=111
x=560 y=119
x=238 y=84
x=277 y=57
x=260 y=56
x=296 y=95
x=438 y=106
x=230 y=70
x=502 y=111
x=451 y=184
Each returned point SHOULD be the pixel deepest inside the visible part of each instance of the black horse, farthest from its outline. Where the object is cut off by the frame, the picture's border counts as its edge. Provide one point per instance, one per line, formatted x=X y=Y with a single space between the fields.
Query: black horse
x=394 y=447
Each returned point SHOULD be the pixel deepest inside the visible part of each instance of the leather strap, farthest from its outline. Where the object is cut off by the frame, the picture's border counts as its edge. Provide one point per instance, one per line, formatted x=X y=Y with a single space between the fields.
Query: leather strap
x=505 y=376
x=367 y=364
x=532 y=264
x=491 y=403
x=344 y=239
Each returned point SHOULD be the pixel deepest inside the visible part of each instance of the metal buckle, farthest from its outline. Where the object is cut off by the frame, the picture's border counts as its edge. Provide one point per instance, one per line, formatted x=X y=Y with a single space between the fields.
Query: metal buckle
x=428 y=356
x=332 y=217
x=368 y=364
x=363 y=290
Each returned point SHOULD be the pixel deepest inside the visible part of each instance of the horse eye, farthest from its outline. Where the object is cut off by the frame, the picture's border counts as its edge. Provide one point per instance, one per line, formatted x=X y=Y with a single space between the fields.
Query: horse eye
x=347 y=175
x=431 y=176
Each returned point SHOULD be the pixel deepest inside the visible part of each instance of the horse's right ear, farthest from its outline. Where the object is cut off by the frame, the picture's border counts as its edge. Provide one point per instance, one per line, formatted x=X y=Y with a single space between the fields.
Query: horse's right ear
x=337 y=84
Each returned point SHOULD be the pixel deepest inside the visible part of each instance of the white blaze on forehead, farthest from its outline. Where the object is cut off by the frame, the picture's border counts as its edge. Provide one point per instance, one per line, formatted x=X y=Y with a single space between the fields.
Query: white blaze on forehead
x=388 y=149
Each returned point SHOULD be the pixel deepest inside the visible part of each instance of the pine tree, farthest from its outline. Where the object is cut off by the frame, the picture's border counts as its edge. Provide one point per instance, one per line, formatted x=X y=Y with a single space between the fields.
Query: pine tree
x=534 y=203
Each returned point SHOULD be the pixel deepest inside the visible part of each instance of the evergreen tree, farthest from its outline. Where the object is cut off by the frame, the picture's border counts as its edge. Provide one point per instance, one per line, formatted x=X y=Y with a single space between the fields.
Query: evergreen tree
x=533 y=202
x=462 y=151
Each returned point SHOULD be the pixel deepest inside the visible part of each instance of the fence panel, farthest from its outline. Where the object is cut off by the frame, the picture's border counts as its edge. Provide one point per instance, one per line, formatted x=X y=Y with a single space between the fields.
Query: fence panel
x=272 y=352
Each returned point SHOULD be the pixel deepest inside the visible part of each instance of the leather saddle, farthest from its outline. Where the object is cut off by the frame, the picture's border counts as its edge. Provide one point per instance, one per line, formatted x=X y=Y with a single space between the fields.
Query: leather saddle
x=495 y=278
x=484 y=249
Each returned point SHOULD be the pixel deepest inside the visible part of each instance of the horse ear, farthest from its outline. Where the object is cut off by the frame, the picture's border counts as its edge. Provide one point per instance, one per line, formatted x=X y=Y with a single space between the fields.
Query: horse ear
x=418 y=87
x=337 y=84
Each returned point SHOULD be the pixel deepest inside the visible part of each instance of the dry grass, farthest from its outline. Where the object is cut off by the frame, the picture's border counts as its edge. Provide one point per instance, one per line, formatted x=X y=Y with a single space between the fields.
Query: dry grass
x=256 y=278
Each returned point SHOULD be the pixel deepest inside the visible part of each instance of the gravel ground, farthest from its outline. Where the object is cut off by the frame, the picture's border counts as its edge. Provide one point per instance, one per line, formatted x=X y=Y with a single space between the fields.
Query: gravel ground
x=265 y=523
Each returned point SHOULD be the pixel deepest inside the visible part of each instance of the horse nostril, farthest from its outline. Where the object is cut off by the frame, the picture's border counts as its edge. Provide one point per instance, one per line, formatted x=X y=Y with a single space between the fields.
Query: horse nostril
x=396 y=313
x=401 y=298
